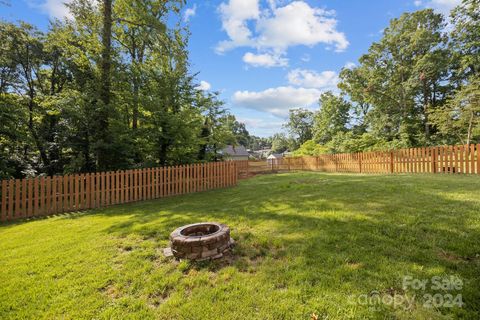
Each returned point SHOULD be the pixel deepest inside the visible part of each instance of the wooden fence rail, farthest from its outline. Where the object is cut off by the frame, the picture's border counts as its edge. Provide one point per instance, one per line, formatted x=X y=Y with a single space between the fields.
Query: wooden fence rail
x=460 y=159
x=41 y=196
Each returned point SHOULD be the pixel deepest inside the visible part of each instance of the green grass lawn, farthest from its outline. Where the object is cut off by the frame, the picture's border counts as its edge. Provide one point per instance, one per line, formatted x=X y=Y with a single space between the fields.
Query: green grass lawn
x=306 y=243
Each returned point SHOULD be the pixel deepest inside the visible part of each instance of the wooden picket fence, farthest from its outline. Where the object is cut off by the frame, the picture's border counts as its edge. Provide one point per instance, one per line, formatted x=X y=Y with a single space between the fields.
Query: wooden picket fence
x=41 y=196
x=460 y=159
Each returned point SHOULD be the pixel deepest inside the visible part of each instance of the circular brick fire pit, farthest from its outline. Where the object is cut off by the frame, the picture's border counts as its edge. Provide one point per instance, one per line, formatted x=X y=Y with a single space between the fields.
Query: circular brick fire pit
x=201 y=241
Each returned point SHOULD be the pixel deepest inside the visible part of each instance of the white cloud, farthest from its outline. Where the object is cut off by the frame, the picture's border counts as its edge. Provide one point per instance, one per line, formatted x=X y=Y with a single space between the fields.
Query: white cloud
x=235 y=15
x=265 y=60
x=204 y=85
x=312 y=79
x=257 y=123
x=275 y=29
x=277 y=101
x=442 y=6
x=350 y=65
x=54 y=8
x=189 y=13
x=263 y=127
x=299 y=24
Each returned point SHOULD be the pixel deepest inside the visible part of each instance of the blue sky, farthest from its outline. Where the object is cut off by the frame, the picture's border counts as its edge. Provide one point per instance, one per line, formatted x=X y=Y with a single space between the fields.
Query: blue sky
x=267 y=56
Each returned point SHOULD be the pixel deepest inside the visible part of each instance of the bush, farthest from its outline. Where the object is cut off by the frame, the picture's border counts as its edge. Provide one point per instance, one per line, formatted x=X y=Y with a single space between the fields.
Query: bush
x=310 y=148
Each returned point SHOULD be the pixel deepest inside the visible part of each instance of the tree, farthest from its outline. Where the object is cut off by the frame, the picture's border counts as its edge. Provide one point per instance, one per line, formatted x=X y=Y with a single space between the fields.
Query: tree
x=352 y=84
x=281 y=143
x=216 y=131
x=310 y=148
x=300 y=125
x=402 y=78
x=140 y=27
x=109 y=89
x=460 y=116
x=238 y=130
x=458 y=119
x=332 y=118
x=104 y=139
x=259 y=143
x=464 y=41
x=31 y=73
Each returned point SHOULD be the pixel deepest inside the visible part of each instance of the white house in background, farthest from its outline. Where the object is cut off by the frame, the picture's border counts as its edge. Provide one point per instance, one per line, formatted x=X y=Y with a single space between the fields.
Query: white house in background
x=262 y=154
x=235 y=153
x=274 y=158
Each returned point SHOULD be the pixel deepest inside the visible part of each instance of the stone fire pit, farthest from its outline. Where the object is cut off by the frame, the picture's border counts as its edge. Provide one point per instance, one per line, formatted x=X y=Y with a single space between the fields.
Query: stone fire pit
x=200 y=241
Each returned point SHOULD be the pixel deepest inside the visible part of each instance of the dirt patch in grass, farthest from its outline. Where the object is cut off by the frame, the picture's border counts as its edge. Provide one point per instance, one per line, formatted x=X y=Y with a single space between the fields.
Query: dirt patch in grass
x=354 y=265
x=111 y=291
x=157 y=299
x=452 y=257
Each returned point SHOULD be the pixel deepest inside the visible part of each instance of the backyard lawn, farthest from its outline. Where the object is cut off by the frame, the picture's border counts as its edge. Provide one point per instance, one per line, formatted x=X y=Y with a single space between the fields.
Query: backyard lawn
x=336 y=245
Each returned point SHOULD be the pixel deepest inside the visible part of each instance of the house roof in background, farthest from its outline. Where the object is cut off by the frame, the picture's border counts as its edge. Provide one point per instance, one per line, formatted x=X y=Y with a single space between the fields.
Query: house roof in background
x=235 y=151
x=275 y=156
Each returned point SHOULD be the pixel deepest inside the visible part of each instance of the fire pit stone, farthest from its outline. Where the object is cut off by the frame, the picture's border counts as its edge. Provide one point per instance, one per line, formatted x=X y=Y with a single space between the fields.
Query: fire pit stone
x=201 y=241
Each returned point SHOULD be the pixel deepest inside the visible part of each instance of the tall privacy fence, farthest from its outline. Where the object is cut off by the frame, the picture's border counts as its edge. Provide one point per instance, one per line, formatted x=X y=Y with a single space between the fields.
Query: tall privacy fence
x=41 y=196
x=462 y=159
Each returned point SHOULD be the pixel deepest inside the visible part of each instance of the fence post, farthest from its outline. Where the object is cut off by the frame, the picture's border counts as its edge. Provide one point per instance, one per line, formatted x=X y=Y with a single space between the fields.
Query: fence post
x=3 y=209
x=235 y=176
x=360 y=161
x=478 y=158
x=391 y=162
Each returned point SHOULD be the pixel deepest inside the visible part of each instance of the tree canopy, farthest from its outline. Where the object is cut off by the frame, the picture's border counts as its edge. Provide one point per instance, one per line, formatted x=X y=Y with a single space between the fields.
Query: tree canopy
x=111 y=88
x=418 y=85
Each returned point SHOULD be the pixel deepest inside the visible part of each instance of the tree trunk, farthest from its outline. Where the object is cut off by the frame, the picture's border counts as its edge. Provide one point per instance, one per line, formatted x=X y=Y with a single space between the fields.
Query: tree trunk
x=425 y=109
x=204 y=134
x=162 y=154
x=106 y=52
x=31 y=128
x=103 y=139
x=470 y=129
x=135 y=103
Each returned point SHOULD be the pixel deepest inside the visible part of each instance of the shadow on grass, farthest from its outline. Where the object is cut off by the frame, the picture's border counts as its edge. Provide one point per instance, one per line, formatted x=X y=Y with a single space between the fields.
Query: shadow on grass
x=372 y=223
x=351 y=233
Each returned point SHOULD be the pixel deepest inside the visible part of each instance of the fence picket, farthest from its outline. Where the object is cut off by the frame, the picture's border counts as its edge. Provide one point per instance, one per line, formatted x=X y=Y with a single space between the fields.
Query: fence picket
x=61 y=188
x=17 y=209
x=3 y=211
x=472 y=158
x=178 y=177
x=47 y=195
x=181 y=179
x=478 y=158
x=82 y=191
x=195 y=177
x=24 y=199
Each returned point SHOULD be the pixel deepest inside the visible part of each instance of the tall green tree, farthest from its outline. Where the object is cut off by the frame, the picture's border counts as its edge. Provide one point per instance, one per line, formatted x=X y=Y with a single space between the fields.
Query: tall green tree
x=299 y=125
x=281 y=143
x=403 y=77
x=332 y=118
x=458 y=120
x=103 y=138
x=460 y=116
x=464 y=39
x=110 y=88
